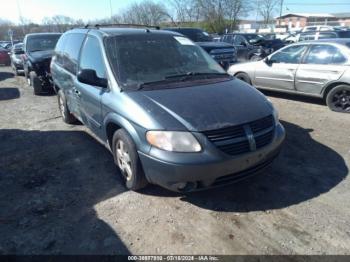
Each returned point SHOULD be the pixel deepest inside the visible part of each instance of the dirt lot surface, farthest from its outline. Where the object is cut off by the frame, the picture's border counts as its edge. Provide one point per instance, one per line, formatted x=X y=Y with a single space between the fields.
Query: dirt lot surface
x=60 y=192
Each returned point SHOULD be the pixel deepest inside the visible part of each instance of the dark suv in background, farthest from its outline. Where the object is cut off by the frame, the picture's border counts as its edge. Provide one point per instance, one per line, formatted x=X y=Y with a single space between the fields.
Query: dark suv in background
x=225 y=54
x=252 y=47
x=38 y=50
x=168 y=112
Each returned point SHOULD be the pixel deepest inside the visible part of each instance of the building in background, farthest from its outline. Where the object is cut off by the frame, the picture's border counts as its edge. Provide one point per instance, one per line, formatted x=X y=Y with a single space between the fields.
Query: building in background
x=299 y=20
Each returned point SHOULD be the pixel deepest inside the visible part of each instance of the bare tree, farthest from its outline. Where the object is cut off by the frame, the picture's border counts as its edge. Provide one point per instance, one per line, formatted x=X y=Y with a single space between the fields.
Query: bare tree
x=185 y=10
x=146 y=12
x=235 y=9
x=212 y=13
x=59 y=23
x=267 y=8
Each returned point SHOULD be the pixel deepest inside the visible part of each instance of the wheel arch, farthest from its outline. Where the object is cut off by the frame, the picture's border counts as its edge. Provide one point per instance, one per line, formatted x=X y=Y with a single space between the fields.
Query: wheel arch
x=242 y=72
x=330 y=86
x=114 y=122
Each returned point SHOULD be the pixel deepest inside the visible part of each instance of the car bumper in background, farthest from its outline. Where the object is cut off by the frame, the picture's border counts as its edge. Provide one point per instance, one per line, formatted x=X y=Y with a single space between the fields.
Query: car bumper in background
x=184 y=177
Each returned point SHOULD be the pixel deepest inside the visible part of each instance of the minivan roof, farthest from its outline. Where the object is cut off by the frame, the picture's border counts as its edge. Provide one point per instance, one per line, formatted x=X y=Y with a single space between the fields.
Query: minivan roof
x=114 y=31
x=35 y=34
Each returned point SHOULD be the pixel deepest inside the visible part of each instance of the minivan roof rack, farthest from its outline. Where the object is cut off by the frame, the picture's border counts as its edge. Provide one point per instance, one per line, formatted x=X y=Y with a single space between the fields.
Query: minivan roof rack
x=121 y=25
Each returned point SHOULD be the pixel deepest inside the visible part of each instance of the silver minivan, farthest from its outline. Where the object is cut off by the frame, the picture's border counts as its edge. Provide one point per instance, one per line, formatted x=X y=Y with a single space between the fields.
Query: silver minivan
x=314 y=68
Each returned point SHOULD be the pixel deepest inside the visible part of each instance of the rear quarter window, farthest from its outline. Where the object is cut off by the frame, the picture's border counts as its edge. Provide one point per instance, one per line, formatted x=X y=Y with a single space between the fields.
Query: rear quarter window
x=71 y=52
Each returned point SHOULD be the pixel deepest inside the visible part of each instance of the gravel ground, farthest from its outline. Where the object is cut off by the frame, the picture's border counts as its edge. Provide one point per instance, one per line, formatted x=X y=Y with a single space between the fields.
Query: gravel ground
x=60 y=192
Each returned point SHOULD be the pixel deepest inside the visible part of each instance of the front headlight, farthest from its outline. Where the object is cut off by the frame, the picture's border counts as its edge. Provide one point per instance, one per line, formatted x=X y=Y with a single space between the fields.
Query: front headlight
x=173 y=141
x=274 y=112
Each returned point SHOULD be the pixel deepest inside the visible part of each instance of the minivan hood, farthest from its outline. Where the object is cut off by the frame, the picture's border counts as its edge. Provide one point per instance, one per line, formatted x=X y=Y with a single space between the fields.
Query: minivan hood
x=208 y=107
x=41 y=55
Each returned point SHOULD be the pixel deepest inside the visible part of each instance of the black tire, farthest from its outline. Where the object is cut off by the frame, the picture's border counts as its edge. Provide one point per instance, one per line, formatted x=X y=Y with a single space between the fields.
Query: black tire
x=26 y=76
x=15 y=71
x=338 y=99
x=35 y=83
x=244 y=77
x=67 y=117
x=137 y=180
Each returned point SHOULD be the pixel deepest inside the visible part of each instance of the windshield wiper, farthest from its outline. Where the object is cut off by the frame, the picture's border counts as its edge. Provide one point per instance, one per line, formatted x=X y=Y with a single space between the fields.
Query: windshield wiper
x=159 y=82
x=181 y=78
x=190 y=74
x=37 y=50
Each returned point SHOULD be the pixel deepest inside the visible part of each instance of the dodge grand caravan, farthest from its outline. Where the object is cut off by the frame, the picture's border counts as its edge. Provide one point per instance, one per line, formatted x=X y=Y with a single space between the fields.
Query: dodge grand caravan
x=167 y=111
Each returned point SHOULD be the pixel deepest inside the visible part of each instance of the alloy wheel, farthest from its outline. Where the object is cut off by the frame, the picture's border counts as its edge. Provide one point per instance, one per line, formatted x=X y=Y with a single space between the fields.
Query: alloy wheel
x=341 y=100
x=124 y=160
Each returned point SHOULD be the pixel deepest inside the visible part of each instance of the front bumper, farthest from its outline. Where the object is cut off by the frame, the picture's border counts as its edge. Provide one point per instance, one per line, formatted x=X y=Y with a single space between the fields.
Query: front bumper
x=206 y=173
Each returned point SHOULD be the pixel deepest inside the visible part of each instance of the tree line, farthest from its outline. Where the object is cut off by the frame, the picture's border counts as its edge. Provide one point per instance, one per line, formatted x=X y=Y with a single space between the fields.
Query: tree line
x=215 y=16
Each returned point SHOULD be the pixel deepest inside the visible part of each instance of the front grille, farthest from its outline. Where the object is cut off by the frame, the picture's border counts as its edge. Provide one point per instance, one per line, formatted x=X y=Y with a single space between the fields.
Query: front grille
x=244 y=138
x=243 y=174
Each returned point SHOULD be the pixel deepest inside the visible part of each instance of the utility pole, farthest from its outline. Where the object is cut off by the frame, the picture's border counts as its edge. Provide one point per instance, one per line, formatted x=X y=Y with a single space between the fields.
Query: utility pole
x=20 y=17
x=281 y=10
x=110 y=6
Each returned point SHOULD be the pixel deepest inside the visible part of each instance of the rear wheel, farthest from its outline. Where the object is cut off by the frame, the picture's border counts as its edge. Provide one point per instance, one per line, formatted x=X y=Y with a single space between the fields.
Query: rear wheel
x=64 y=110
x=338 y=99
x=244 y=77
x=36 y=83
x=127 y=159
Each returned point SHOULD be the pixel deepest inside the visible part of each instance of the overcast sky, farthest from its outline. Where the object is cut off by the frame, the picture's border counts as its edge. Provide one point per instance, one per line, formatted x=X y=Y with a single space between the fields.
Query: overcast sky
x=36 y=10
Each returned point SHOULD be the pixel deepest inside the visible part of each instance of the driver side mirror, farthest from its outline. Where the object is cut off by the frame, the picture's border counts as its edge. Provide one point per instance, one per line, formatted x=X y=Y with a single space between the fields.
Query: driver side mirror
x=268 y=61
x=89 y=77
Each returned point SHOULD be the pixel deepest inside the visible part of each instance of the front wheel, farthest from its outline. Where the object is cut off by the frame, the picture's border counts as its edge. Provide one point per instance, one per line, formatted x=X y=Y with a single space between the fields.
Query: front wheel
x=127 y=159
x=36 y=83
x=338 y=99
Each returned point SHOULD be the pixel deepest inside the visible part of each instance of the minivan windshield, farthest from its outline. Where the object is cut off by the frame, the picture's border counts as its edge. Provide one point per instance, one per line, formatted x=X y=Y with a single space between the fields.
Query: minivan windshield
x=41 y=42
x=158 y=58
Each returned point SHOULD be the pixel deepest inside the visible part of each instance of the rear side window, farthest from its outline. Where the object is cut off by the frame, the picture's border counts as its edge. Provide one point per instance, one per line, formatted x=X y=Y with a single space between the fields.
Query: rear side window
x=91 y=57
x=239 y=40
x=60 y=49
x=324 y=54
x=289 y=55
x=327 y=35
x=228 y=39
x=71 y=51
x=60 y=44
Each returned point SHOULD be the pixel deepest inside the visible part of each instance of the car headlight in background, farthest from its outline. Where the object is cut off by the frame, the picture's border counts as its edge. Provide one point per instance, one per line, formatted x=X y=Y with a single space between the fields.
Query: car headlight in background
x=173 y=141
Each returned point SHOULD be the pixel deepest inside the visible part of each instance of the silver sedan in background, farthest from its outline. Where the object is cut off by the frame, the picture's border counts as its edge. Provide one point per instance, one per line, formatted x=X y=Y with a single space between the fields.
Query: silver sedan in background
x=315 y=68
